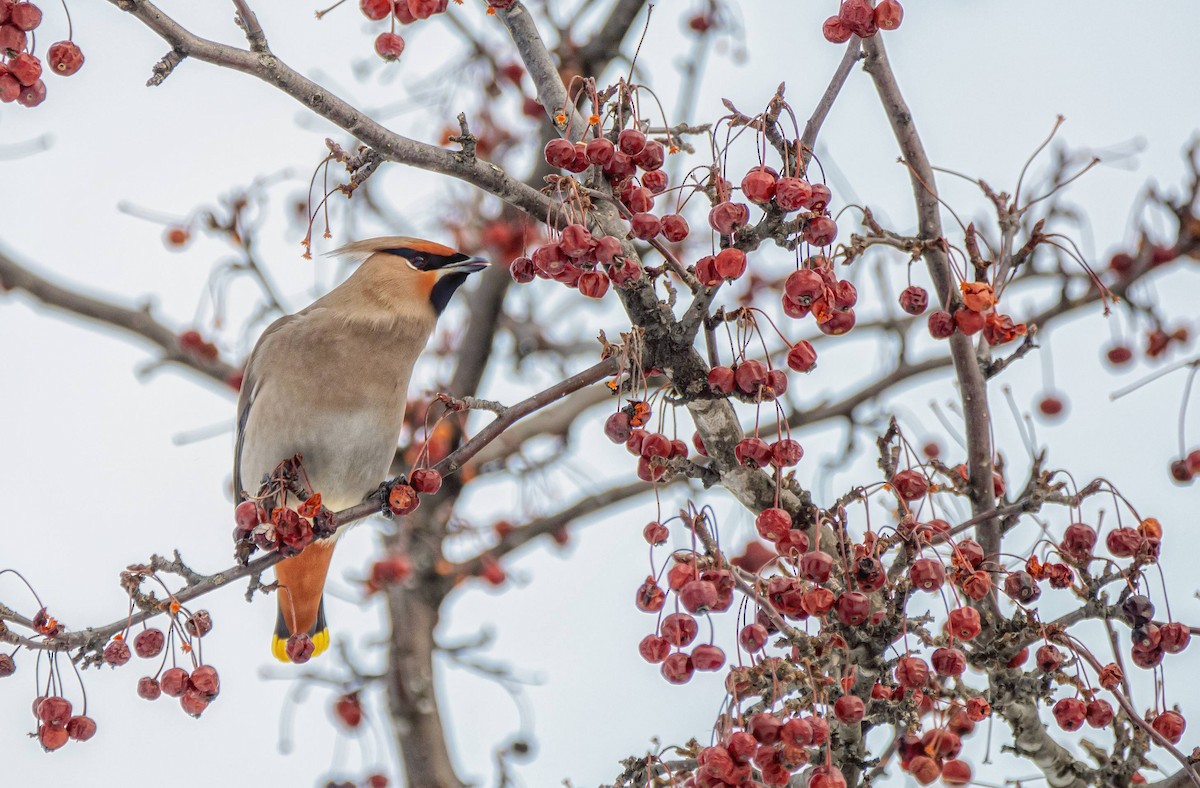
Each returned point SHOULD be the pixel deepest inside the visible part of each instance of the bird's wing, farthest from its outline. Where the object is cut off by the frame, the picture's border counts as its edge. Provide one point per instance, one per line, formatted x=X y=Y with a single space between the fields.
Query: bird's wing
x=252 y=381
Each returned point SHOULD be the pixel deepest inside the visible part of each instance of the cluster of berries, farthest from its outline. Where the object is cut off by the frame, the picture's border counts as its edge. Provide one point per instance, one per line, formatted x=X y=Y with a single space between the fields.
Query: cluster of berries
x=857 y=18
x=390 y=45
x=20 y=69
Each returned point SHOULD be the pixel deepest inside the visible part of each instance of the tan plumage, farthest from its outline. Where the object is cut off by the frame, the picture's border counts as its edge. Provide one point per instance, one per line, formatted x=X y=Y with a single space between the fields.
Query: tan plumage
x=331 y=382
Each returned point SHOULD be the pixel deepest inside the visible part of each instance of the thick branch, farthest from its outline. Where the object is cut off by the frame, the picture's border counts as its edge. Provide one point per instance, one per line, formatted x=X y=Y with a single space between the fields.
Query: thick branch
x=972 y=386
x=139 y=322
x=395 y=147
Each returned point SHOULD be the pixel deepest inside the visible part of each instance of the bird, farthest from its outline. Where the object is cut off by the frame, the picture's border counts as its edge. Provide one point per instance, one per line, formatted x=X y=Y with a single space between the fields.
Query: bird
x=330 y=383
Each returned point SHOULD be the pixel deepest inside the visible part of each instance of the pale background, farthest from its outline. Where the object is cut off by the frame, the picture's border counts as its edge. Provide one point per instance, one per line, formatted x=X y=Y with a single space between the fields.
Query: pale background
x=91 y=481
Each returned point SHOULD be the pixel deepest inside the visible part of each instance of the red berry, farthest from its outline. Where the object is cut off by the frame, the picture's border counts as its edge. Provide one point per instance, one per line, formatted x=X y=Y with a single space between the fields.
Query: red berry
x=759 y=185
x=859 y=17
x=52 y=737
x=54 y=710
x=654 y=649
x=80 y=728
x=375 y=9
x=849 y=709
x=1070 y=713
x=752 y=452
x=26 y=68
x=645 y=226
x=300 y=648
x=912 y=673
x=389 y=46
x=599 y=151
x=193 y=703
x=679 y=629
x=816 y=566
x=674 y=227
x=941 y=324
x=149 y=688
x=1174 y=637
x=1048 y=658
x=65 y=58
x=910 y=484
x=678 y=668
x=205 y=681
x=116 y=653
x=954 y=771
x=888 y=16
x=348 y=709
x=1099 y=713
x=708 y=657
x=1051 y=406
x=802 y=357
x=725 y=217
x=927 y=574
x=631 y=141
x=835 y=32
x=853 y=607
x=820 y=231
x=948 y=661
x=149 y=643
x=425 y=481
x=826 y=777
x=1119 y=355
x=698 y=596
x=655 y=533
x=924 y=769
x=650 y=598
x=1170 y=725
x=199 y=624
x=730 y=263
x=791 y=194
x=964 y=623
x=390 y=569
x=25 y=16
x=174 y=682
x=423 y=9
x=7 y=666
x=786 y=452
x=650 y=158
x=914 y=300
x=753 y=637
x=559 y=154
x=1078 y=541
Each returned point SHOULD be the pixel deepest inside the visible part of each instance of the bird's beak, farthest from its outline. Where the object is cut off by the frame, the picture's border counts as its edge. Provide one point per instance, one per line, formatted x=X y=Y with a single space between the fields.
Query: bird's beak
x=468 y=266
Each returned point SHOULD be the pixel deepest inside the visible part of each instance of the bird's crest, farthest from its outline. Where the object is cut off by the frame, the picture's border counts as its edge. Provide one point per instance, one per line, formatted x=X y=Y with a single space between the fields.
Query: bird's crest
x=358 y=251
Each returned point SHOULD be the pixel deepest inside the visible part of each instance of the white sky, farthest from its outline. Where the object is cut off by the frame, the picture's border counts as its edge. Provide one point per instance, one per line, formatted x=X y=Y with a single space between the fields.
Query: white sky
x=91 y=480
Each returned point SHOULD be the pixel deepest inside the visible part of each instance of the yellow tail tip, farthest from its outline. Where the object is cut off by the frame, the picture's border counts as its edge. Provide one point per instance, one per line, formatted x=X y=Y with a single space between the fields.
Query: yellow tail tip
x=320 y=644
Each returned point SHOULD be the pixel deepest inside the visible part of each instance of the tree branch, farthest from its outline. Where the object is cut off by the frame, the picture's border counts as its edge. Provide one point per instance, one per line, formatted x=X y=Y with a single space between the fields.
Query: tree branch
x=138 y=322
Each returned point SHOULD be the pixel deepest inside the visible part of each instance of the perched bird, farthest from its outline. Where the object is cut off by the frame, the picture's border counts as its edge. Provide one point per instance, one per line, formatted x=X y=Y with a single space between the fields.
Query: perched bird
x=330 y=382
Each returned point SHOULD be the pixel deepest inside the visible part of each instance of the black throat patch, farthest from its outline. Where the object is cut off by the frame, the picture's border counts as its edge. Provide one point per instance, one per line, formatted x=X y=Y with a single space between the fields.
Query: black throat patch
x=444 y=289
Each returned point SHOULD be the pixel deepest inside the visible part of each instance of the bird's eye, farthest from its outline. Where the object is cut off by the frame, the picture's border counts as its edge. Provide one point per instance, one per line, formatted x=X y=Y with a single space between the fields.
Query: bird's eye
x=418 y=261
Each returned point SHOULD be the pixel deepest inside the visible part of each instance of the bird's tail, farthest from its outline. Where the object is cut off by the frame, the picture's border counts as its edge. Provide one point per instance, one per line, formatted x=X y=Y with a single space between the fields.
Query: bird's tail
x=301 y=598
x=319 y=633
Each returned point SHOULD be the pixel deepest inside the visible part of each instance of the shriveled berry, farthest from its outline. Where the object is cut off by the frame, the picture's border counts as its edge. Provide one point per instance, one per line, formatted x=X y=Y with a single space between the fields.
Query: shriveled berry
x=1099 y=713
x=753 y=637
x=204 y=680
x=679 y=629
x=631 y=141
x=914 y=300
x=375 y=9
x=1170 y=725
x=194 y=703
x=425 y=481
x=149 y=688
x=941 y=324
x=81 y=728
x=54 y=710
x=149 y=643
x=1070 y=713
x=116 y=653
x=199 y=624
x=910 y=484
x=65 y=58
x=348 y=709
x=678 y=668
x=7 y=666
x=964 y=623
x=174 y=682
x=708 y=657
x=654 y=648
x=300 y=648
x=888 y=14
